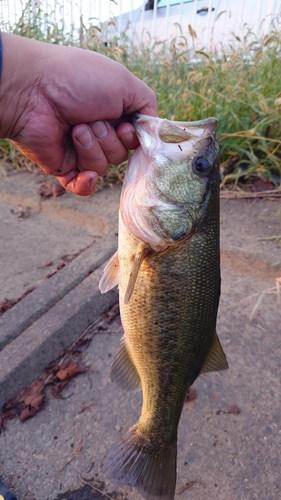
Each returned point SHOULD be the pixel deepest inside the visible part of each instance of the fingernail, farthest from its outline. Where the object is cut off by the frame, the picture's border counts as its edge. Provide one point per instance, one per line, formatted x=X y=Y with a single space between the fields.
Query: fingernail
x=85 y=138
x=100 y=129
x=93 y=180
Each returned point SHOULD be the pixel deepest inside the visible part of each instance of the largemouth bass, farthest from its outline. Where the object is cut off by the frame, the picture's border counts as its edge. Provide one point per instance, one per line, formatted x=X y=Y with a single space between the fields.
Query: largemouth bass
x=168 y=269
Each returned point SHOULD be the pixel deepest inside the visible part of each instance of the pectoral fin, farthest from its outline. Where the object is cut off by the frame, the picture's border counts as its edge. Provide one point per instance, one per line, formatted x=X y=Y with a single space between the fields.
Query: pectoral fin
x=216 y=359
x=110 y=277
x=123 y=370
x=136 y=263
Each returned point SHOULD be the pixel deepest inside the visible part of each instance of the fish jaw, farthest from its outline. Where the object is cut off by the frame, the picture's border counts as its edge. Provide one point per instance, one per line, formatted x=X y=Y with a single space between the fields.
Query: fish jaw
x=163 y=188
x=153 y=132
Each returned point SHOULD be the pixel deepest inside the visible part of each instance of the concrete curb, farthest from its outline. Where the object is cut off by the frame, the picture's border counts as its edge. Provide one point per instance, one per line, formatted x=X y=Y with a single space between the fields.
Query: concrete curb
x=38 y=302
x=24 y=359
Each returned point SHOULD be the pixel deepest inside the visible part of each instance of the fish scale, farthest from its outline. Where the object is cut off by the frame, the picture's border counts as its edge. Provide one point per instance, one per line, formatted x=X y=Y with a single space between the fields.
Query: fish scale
x=169 y=287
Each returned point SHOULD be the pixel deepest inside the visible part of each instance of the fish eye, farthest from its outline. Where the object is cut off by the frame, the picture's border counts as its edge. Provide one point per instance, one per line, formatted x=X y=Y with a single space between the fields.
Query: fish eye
x=201 y=165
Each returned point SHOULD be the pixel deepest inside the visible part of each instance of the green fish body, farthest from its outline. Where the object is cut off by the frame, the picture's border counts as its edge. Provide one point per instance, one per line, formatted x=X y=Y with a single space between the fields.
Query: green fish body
x=168 y=269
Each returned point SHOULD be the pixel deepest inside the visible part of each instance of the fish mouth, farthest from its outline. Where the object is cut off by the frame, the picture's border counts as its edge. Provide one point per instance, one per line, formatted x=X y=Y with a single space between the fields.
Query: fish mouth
x=174 y=131
x=157 y=134
x=137 y=117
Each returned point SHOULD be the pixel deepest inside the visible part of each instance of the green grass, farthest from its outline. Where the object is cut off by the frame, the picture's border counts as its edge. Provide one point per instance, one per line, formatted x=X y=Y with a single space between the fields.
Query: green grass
x=241 y=88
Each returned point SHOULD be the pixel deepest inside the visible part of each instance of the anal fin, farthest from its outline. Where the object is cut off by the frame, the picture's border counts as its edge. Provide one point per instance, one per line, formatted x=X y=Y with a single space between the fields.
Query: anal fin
x=216 y=359
x=110 y=277
x=137 y=260
x=123 y=370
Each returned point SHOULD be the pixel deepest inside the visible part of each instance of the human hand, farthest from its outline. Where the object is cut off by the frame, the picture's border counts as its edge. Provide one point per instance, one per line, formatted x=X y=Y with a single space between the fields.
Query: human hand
x=64 y=108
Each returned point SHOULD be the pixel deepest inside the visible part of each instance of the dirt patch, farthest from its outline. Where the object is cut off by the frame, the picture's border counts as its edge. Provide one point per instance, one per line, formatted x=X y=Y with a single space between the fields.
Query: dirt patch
x=249 y=266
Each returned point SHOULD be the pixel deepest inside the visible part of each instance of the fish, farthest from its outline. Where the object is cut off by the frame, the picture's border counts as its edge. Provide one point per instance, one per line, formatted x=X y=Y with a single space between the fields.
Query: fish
x=167 y=267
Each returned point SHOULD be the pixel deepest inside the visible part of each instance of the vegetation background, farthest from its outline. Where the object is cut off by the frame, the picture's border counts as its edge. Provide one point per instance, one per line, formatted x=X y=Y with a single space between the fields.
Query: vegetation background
x=240 y=85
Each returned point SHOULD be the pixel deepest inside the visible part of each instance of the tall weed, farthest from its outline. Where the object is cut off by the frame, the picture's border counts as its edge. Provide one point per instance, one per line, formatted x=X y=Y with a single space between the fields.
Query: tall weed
x=240 y=86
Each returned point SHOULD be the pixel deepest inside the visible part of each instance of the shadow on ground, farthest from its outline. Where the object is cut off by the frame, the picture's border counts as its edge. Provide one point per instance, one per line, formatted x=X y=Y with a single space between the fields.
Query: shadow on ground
x=91 y=492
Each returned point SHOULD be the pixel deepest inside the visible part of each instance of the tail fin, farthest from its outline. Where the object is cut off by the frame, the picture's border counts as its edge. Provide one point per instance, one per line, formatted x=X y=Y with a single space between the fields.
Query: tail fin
x=135 y=462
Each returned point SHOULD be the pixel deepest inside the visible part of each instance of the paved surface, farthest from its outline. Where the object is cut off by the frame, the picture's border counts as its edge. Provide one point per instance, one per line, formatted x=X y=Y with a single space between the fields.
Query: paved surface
x=221 y=454
x=37 y=239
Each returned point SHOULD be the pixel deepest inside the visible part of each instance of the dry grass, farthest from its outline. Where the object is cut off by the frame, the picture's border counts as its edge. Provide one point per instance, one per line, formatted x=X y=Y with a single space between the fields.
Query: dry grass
x=240 y=86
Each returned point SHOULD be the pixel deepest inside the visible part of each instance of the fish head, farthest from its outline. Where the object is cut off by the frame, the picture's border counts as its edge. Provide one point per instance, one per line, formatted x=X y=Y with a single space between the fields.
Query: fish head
x=181 y=156
x=170 y=178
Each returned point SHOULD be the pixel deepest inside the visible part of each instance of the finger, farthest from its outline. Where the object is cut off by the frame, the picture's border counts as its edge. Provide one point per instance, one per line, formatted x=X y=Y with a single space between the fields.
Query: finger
x=90 y=155
x=112 y=147
x=151 y=107
x=142 y=99
x=127 y=135
x=81 y=183
x=69 y=163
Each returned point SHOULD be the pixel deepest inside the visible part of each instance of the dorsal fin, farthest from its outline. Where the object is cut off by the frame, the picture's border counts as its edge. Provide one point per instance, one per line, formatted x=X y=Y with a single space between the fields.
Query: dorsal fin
x=216 y=359
x=110 y=277
x=137 y=259
x=123 y=370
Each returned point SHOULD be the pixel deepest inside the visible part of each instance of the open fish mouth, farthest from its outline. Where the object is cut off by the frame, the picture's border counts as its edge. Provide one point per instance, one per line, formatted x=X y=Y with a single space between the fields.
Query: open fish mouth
x=173 y=131
x=155 y=133
x=138 y=117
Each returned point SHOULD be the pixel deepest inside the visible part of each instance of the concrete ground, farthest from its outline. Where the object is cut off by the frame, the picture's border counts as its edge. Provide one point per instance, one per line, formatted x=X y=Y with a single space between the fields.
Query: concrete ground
x=53 y=249
x=229 y=436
